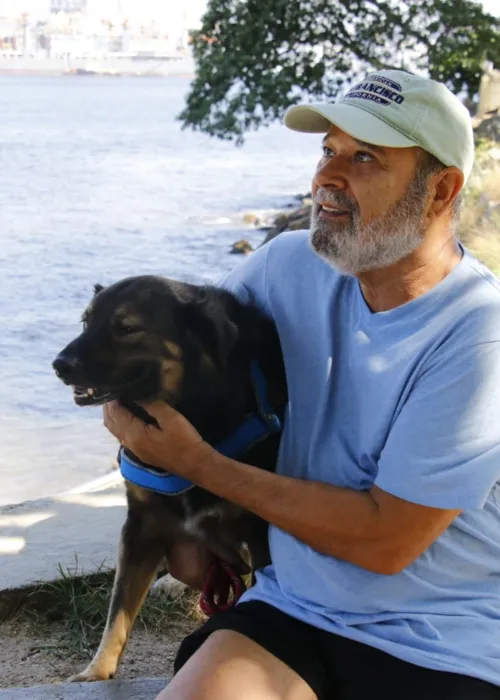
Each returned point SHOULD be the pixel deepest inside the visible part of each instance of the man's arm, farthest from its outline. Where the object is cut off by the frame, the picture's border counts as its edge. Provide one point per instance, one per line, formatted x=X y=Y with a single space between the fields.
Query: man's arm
x=372 y=529
x=442 y=456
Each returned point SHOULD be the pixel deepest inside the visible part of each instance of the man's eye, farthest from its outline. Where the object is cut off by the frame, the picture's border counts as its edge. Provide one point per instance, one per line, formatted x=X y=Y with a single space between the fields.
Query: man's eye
x=327 y=152
x=363 y=157
x=85 y=322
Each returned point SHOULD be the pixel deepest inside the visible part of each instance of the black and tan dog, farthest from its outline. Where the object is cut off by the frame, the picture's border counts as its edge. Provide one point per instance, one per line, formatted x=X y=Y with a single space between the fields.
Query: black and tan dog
x=148 y=338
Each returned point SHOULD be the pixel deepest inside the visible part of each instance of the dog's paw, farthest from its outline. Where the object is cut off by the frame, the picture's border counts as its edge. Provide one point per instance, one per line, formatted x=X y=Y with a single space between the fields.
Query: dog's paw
x=91 y=675
x=168 y=587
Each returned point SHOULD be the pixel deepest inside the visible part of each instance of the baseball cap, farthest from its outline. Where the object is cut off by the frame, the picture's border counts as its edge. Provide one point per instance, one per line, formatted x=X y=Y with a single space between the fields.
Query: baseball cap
x=398 y=109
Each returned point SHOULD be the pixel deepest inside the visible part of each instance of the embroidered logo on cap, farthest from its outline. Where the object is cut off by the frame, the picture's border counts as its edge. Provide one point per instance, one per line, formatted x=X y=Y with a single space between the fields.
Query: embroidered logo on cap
x=377 y=88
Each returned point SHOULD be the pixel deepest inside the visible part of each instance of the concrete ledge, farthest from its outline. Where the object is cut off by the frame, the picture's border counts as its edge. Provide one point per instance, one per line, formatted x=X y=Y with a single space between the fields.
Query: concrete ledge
x=139 y=689
x=38 y=536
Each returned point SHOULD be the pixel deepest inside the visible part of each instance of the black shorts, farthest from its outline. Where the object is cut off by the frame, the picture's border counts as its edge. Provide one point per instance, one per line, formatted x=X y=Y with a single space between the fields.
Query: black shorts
x=334 y=667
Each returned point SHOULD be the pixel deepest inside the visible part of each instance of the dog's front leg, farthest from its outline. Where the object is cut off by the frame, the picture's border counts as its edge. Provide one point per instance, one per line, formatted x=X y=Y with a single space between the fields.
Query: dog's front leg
x=139 y=557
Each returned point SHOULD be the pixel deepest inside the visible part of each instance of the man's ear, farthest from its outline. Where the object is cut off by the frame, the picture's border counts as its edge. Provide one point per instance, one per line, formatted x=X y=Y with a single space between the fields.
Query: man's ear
x=448 y=184
x=98 y=288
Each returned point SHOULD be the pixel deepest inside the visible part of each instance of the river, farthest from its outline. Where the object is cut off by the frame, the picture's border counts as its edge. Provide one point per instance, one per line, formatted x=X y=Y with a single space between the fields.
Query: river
x=98 y=182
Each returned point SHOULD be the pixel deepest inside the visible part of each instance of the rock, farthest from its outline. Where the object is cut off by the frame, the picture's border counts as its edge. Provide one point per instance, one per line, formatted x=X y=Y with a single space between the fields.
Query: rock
x=298 y=219
x=489 y=128
x=489 y=89
x=137 y=689
x=251 y=219
x=301 y=197
x=281 y=222
x=242 y=247
x=293 y=221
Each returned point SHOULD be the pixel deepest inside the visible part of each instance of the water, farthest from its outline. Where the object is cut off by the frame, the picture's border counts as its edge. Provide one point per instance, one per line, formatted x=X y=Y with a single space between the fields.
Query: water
x=99 y=182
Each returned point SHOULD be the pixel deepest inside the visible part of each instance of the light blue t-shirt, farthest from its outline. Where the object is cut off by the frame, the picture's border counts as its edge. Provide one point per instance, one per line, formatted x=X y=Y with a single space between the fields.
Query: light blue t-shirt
x=409 y=400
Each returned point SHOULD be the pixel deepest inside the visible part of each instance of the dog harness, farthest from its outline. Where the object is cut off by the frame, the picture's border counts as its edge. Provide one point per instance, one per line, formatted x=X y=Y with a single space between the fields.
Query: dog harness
x=253 y=430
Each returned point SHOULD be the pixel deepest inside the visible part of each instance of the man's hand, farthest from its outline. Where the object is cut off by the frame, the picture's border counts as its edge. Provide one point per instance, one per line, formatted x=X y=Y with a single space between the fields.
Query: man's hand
x=173 y=446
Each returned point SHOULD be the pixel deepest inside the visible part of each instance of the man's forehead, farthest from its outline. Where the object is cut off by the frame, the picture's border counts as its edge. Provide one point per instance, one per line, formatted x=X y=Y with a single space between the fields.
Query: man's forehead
x=336 y=133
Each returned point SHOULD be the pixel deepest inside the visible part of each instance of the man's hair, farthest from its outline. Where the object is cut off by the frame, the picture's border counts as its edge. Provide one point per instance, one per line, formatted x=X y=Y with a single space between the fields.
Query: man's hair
x=427 y=166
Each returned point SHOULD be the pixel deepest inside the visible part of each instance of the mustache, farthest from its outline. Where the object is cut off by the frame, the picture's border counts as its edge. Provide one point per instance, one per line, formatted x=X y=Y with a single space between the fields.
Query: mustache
x=334 y=199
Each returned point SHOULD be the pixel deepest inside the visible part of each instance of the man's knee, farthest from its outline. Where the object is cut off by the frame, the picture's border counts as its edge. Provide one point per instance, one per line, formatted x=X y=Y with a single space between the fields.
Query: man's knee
x=229 y=666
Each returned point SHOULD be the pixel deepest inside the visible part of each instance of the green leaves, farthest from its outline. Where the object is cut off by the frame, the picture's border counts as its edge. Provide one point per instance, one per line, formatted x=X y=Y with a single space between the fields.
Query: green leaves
x=255 y=58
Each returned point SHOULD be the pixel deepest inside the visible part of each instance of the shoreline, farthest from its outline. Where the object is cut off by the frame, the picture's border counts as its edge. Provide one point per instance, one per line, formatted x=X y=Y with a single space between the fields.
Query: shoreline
x=56 y=73
x=115 y=66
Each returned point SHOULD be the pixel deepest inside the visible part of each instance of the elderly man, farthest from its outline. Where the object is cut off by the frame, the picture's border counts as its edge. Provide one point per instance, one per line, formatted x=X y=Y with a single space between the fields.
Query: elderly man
x=385 y=508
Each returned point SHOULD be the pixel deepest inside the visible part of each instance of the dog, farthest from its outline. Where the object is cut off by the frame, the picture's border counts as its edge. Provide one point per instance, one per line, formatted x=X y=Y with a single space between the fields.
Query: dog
x=151 y=338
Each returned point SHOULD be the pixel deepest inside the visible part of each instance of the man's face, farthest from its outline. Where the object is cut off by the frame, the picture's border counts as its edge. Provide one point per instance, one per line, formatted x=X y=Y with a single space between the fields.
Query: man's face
x=368 y=204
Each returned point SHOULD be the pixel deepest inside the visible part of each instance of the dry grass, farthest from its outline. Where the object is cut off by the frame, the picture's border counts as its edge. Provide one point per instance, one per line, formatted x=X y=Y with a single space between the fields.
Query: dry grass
x=80 y=603
x=479 y=226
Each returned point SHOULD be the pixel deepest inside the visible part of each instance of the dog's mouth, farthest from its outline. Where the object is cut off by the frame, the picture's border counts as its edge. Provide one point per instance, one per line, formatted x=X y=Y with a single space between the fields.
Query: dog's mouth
x=92 y=396
x=133 y=387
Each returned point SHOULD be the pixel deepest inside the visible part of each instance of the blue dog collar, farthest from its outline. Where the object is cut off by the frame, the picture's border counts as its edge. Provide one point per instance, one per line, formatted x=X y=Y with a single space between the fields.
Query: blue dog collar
x=150 y=478
x=254 y=429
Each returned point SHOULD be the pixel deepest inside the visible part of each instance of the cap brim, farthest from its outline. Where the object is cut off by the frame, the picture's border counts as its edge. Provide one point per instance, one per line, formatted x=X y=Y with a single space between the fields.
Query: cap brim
x=357 y=122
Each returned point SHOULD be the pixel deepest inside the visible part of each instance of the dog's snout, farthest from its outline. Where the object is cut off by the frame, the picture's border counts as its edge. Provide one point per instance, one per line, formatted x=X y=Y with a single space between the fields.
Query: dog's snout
x=65 y=365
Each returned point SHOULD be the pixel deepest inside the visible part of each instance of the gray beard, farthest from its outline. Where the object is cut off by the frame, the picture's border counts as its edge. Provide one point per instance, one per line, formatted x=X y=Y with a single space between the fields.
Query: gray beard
x=355 y=246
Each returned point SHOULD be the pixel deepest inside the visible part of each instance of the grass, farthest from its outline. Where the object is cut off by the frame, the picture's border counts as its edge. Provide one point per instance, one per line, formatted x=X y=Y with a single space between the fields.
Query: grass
x=79 y=603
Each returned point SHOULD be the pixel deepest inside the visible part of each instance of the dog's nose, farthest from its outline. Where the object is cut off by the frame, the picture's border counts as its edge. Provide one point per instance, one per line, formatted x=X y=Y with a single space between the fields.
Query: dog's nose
x=65 y=365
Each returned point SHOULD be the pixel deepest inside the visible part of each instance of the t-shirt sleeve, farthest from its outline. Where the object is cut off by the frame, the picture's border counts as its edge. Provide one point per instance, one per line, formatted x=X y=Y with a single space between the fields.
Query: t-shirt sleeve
x=443 y=449
x=247 y=281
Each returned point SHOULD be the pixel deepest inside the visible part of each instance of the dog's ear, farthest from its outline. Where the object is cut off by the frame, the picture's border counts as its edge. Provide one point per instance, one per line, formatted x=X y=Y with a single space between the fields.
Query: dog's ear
x=190 y=296
x=221 y=333
x=98 y=288
x=207 y=319
x=217 y=331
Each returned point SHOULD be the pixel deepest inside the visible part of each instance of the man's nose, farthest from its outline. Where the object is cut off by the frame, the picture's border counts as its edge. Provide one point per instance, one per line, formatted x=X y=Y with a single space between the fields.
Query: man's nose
x=330 y=174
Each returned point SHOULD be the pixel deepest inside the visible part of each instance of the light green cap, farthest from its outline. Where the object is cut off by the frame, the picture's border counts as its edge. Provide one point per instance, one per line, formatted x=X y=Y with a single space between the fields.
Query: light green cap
x=397 y=109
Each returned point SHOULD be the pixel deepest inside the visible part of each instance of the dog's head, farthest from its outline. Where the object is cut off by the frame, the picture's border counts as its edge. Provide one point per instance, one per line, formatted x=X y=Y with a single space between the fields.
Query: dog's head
x=140 y=338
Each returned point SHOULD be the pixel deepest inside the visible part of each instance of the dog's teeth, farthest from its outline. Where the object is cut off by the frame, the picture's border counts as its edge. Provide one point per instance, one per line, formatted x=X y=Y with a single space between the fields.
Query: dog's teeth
x=90 y=392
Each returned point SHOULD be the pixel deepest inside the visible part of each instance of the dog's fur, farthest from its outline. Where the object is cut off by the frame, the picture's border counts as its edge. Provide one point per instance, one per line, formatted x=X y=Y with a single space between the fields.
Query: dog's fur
x=148 y=338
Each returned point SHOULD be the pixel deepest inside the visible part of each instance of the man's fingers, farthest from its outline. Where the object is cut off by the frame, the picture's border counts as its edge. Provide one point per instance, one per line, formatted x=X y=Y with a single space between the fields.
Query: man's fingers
x=149 y=443
x=116 y=418
x=157 y=409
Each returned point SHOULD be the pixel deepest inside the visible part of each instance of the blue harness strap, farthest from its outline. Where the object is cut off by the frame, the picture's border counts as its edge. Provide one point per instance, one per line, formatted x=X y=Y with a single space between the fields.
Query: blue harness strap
x=254 y=429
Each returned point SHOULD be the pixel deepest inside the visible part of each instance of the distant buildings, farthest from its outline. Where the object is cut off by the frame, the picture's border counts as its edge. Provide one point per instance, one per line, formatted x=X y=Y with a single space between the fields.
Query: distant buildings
x=96 y=28
x=68 y=5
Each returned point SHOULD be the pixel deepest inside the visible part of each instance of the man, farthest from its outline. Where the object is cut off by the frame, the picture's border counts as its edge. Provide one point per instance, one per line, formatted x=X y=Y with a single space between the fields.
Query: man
x=385 y=508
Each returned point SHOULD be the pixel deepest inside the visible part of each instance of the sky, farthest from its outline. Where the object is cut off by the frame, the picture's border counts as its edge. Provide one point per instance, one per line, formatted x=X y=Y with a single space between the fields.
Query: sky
x=492 y=6
x=162 y=9
x=155 y=8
